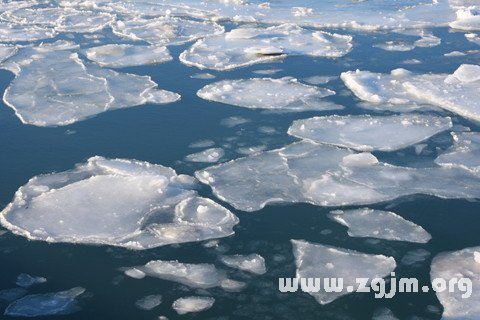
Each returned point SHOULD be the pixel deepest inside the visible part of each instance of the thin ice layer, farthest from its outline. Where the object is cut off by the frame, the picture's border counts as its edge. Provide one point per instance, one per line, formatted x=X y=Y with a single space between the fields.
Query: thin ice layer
x=322 y=262
x=362 y=132
x=247 y=45
x=253 y=263
x=459 y=264
x=464 y=153
x=266 y=93
x=192 y=304
x=62 y=89
x=457 y=93
x=46 y=304
x=126 y=55
x=380 y=224
x=123 y=203
x=328 y=176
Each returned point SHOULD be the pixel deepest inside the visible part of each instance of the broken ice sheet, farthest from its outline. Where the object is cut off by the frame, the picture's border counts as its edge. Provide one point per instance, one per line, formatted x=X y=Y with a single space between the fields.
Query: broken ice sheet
x=457 y=93
x=125 y=55
x=380 y=224
x=192 y=304
x=211 y=155
x=285 y=94
x=247 y=45
x=46 y=304
x=253 y=263
x=464 y=153
x=131 y=204
x=325 y=175
x=319 y=261
x=459 y=264
x=362 y=132
x=62 y=89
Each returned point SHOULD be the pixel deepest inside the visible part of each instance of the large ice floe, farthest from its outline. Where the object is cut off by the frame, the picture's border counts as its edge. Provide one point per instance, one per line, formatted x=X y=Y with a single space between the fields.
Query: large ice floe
x=326 y=175
x=457 y=93
x=192 y=304
x=315 y=261
x=284 y=94
x=464 y=153
x=253 y=263
x=117 y=202
x=457 y=304
x=380 y=224
x=125 y=55
x=63 y=89
x=362 y=132
x=46 y=304
x=468 y=19
x=249 y=45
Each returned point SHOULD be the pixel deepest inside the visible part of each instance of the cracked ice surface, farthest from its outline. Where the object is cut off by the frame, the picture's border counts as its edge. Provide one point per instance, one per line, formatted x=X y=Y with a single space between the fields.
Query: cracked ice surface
x=319 y=261
x=380 y=224
x=457 y=93
x=123 y=203
x=459 y=264
x=265 y=93
x=328 y=176
x=248 y=45
x=63 y=89
x=362 y=132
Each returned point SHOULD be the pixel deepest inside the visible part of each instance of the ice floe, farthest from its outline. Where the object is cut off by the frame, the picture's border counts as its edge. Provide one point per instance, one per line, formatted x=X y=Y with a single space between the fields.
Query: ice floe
x=125 y=55
x=63 y=89
x=328 y=176
x=192 y=304
x=149 y=302
x=285 y=94
x=25 y=280
x=362 y=132
x=247 y=45
x=253 y=263
x=425 y=40
x=457 y=265
x=211 y=155
x=415 y=257
x=457 y=93
x=464 y=153
x=16 y=33
x=324 y=262
x=117 y=202
x=46 y=304
x=380 y=224
x=468 y=19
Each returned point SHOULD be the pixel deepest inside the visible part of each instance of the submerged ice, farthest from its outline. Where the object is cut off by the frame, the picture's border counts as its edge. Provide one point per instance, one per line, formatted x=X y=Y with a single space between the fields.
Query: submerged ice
x=117 y=202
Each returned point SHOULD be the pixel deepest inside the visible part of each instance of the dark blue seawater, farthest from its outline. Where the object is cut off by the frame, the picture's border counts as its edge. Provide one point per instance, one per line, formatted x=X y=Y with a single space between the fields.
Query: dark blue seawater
x=162 y=134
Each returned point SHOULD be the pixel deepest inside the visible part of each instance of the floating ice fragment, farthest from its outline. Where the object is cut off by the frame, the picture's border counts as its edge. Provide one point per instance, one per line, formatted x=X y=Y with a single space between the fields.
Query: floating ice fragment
x=322 y=262
x=124 y=55
x=231 y=122
x=192 y=304
x=380 y=224
x=246 y=46
x=473 y=37
x=211 y=155
x=362 y=132
x=46 y=304
x=266 y=93
x=383 y=314
x=202 y=144
x=415 y=257
x=251 y=150
x=203 y=76
x=253 y=263
x=459 y=264
x=25 y=280
x=316 y=80
x=149 y=302
x=468 y=19
x=16 y=33
x=131 y=204
x=464 y=153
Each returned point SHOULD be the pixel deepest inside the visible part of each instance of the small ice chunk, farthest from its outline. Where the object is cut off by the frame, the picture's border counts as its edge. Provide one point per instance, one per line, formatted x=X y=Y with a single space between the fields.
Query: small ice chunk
x=25 y=280
x=246 y=46
x=458 y=264
x=380 y=224
x=251 y=150
x=266 y=93
x=125 y=55
x=473 y=37
x=464 y=153
x=253 y=263
x=362 y=132
x=192 y=304
x=316 y=80
x=467 y=73
x=234 y=121
x=455 y=54
x=135 y=273
x=319 y=261
x=203 y=76
x=118 y=202
x=211 y=155
x=6 y=52
x=415 y=257
x=46 y=304
x=395 y=46
x=149 y=302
